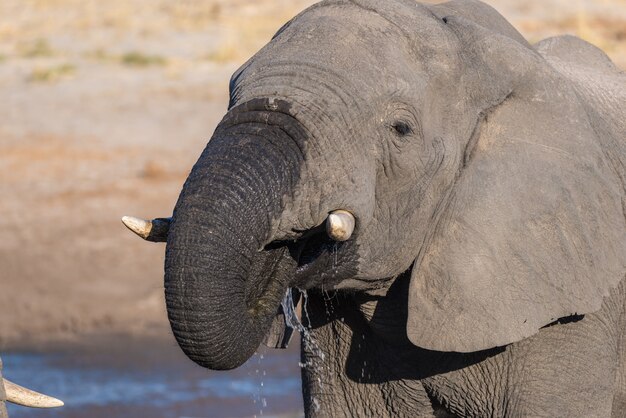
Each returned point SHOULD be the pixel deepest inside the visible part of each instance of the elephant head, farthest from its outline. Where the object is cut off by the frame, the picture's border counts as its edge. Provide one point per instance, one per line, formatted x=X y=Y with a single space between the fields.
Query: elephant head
x=455 y=148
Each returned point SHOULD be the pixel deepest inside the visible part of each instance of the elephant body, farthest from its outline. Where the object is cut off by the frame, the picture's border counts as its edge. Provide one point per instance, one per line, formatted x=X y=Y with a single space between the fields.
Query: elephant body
x=573 y=368
x=483 y=183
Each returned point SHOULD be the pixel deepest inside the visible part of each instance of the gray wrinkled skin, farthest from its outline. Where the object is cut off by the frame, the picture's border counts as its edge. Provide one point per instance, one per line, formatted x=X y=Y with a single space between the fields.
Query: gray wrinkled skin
x=487 y=176
x=370 y=368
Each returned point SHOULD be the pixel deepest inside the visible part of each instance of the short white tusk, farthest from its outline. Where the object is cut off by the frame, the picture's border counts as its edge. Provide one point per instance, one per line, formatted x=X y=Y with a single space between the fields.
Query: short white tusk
x=340 y=225
x=155 y=230
x=21 y=396
x=138 y=226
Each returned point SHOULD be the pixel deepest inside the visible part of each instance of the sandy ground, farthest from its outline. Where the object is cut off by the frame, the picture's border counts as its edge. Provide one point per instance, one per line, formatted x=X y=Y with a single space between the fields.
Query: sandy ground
x=104 y=107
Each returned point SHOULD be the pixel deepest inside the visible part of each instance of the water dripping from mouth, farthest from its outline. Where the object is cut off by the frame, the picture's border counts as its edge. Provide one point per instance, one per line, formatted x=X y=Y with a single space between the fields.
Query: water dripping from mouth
x=259 y=397
x=291 y=319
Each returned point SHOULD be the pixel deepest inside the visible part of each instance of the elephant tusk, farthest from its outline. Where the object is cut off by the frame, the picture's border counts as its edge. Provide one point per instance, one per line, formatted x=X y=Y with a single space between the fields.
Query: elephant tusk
x=155 y=230
x=138 y=226
x=340 y=225
x=21 y=396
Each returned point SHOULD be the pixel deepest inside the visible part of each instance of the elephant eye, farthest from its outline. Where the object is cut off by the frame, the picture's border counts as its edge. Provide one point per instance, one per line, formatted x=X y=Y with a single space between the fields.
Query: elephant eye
x=402 y=128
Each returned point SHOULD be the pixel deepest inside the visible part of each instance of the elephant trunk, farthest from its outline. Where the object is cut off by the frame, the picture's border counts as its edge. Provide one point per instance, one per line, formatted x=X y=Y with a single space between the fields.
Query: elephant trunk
x=222 y=284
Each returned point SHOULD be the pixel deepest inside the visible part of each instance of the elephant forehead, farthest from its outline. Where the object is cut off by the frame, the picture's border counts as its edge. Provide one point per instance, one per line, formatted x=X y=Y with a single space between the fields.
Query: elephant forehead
x=350 y=41
x=329 y=61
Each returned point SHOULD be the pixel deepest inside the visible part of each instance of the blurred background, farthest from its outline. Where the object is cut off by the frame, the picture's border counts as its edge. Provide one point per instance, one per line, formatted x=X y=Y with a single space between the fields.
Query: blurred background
x=104 y=107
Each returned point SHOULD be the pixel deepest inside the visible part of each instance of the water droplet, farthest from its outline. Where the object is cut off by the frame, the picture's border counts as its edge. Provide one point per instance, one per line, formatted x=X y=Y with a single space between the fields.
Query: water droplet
x=315 y=355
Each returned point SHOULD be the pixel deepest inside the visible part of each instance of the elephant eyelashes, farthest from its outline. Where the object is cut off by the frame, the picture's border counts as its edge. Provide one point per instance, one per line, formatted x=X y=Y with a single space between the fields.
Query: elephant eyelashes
x=402 y=128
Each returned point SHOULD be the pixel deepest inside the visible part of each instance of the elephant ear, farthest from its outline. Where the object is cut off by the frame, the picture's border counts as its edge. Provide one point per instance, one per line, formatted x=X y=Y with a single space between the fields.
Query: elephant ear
x=533 y=228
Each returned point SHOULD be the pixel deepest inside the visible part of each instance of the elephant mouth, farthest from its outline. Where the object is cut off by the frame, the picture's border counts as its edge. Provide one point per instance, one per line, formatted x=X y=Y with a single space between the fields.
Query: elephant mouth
x=320 y=259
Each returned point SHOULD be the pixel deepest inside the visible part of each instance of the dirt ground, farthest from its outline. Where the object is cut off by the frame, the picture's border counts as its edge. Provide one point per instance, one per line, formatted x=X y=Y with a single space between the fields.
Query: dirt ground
x=104 y=107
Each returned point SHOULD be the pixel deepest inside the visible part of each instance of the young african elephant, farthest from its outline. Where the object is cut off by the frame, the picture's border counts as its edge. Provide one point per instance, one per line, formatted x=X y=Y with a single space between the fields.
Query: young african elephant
x=450 y=196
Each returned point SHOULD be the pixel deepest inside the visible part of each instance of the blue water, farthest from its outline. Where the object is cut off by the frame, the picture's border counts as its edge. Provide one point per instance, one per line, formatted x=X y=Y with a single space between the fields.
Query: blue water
x=153 y=379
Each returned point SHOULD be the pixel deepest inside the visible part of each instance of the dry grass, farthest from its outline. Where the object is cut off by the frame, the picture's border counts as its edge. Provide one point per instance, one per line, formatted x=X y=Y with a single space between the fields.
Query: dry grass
x=52 y=74
x=226 y=52
x=599 y=30
x=37 y=49
x=138 y=59
x=42 y=18
x=99 y=55
x=246 y=33
x=607 y=33
x=192 y=15
x=134 y=59
x=241 y=26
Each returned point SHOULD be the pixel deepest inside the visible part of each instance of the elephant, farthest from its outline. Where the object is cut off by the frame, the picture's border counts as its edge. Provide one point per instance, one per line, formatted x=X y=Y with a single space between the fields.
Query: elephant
x=10 y=392
x=447 y=199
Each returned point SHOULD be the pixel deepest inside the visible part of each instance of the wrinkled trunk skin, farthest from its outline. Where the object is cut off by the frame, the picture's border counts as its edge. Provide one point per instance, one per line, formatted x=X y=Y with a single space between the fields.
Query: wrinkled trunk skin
x=222 y=287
